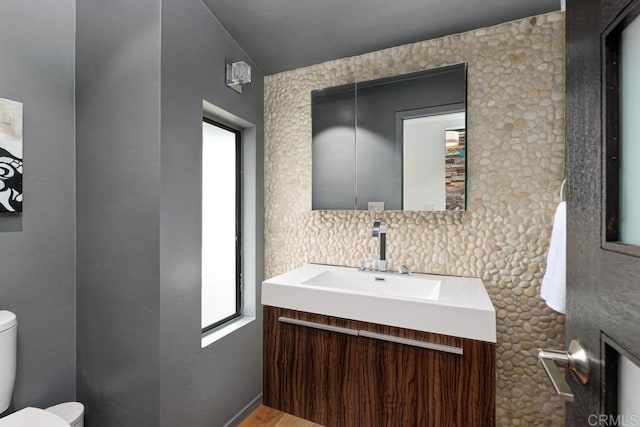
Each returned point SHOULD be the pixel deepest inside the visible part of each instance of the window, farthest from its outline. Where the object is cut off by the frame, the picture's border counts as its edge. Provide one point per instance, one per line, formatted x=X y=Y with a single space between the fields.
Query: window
x=622 y=144
x=221 y=224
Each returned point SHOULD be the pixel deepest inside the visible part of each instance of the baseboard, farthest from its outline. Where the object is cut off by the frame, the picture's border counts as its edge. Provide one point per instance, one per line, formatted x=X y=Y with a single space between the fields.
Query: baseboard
x=244 y=412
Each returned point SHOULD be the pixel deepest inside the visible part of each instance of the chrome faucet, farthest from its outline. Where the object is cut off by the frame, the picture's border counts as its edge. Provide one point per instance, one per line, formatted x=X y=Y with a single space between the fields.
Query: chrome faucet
x=380 y=230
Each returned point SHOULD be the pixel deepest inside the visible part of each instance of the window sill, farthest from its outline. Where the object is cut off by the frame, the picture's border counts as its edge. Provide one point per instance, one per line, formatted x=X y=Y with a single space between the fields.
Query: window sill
x=224 y=330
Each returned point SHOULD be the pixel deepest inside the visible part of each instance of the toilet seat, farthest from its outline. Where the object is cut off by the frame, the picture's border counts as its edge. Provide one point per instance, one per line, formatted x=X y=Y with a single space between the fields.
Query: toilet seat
x=32 y=417
x=71 y=412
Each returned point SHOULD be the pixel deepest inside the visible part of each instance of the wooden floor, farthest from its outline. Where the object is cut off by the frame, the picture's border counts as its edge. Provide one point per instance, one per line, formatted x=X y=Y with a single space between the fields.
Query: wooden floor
x=265 y=416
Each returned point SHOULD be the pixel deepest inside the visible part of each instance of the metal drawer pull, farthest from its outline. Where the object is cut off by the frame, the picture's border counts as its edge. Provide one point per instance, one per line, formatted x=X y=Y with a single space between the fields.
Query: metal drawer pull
x=373 y=335
x=315 y=325
x=414 y=343
x=576 y=360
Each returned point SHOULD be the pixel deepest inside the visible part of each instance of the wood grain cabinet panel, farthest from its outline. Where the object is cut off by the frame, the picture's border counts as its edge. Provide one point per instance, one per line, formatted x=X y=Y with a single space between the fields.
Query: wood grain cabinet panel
x=336 y=379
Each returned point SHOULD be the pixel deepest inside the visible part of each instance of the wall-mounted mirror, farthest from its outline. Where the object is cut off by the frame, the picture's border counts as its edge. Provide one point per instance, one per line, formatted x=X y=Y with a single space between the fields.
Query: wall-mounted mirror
x=396 y=143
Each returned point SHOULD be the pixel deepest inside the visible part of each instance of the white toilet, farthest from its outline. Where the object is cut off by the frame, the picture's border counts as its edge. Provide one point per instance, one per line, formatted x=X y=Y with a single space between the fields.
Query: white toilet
x=63 y=415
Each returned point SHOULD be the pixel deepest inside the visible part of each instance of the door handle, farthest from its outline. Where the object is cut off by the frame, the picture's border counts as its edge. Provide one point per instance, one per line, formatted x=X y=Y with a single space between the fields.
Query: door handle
x=576 y=360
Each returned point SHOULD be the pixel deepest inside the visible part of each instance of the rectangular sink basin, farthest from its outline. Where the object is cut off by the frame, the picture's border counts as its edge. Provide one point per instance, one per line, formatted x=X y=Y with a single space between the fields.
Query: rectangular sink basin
x=447 y=305
x=384 y=285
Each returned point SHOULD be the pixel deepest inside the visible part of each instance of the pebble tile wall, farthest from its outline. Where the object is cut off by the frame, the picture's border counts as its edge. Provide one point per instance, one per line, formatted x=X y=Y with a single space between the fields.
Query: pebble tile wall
x=516 y=162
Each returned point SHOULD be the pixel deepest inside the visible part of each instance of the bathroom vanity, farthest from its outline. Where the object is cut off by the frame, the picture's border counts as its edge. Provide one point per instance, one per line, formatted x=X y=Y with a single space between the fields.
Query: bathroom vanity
x=350 y=348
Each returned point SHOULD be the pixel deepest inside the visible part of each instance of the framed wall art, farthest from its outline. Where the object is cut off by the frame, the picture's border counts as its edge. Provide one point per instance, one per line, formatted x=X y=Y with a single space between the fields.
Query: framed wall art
x=10 y=156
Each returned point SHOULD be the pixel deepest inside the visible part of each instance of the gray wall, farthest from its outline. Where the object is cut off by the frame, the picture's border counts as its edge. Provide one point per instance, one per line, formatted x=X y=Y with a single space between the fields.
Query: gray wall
x=118 y=197
x=200 y=387
x=37 y=248
x=137 y=211
x=140 y=361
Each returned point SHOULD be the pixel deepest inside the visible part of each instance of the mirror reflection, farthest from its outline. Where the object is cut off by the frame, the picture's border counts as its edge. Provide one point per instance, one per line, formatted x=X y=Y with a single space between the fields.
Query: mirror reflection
x=333 y=149
x=396 y=143
x=434 y=162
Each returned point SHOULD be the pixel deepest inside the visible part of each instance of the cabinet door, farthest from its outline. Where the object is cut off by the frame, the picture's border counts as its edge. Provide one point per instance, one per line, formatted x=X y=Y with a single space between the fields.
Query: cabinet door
x=403 y=385
x=309 y=373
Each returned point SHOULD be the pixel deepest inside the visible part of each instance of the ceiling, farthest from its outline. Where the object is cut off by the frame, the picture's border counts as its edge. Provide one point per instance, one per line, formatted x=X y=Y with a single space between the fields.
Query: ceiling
x=286 y=34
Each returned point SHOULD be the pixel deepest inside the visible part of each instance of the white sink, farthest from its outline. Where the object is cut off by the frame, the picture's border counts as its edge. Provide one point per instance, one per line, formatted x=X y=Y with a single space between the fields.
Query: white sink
x=448 y=305
x=414 y=287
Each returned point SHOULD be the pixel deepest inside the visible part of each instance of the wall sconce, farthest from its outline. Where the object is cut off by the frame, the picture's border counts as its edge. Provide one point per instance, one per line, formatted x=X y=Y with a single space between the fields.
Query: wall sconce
x=238 y=74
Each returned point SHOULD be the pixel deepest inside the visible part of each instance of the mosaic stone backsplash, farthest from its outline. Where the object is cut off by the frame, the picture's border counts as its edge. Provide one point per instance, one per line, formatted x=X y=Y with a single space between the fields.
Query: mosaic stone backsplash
x=516 y=164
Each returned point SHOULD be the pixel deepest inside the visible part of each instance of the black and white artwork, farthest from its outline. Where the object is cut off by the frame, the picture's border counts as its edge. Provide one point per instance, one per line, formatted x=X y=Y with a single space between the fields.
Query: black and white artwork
x=10 y=156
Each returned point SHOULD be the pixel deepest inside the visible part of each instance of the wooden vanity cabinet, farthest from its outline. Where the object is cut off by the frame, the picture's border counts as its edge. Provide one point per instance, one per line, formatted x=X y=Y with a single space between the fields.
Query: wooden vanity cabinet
x=346 y=379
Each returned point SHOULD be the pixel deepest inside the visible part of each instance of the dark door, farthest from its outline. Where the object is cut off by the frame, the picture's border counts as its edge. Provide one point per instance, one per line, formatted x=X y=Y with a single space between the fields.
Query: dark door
x=603 y=247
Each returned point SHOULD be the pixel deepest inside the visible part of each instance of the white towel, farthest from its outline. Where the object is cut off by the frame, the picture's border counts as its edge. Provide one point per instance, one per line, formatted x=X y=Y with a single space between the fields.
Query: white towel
x=554 y=283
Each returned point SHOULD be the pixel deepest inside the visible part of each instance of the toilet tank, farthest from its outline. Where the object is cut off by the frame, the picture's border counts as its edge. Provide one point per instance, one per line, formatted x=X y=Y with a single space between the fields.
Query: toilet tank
x=8 y=351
